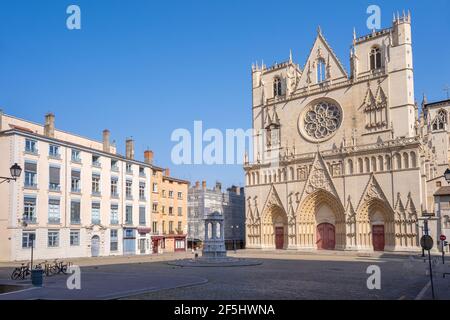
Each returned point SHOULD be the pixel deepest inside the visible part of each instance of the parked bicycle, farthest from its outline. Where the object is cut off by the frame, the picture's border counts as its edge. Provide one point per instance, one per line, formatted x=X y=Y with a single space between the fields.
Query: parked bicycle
x=21 y=272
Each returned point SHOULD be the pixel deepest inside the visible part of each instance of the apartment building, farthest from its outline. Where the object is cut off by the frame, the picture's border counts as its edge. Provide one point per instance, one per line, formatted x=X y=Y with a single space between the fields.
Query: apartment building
x=76 y=197
x=169 y=212
x=230 y=203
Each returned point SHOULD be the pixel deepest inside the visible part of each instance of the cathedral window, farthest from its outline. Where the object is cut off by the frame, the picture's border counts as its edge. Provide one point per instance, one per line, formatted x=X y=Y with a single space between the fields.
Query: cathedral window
x=388 y=162
x=380 y=163
x=320 y=120
x=272 y=136
x=349 y=166
x=405 y=161
x=398 y=161
x=375 y=58
x=321 y=70
x=374 y=164
x=367 y=165
x=360 y=165
x=440 y=120
x=277 y=87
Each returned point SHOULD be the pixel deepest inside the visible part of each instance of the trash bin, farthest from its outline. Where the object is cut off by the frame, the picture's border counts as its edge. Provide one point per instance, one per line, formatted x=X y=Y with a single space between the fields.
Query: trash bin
x=37 y=276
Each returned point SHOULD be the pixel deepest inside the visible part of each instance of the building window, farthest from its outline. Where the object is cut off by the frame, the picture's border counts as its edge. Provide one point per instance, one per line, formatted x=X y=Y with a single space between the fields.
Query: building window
x=75 y=182
x=179 y=244
x=180 y=228
x=74 y=238
x=76 y=156
x=170 y=194
x=164 y=227
x=142 y=172
x=129 y=215
x=114 y=166
x=28 y=238
x=54 y=212
x=30 y=174
x=75 y=212
x=180 y=196
x=170 y=210
x=95 y=184
x=155 y=187
x=142 y=191
x=29 y=209
x=163 y=193
x=142 y=216
x=180 y=211
x=277 y=87
x=155 y=207
x=128 y=168
x=53 y=151
x=114 y=189
x=170 y=227
x=321 y=71
x=375 y=58
x=128 y=189
x=155 y=227
x=54 y=178
x=95 y=213
x=163 y=209
x=114 y=214
x=31 y=146
x=114 y=241
x=53 y=238
x=96 y=161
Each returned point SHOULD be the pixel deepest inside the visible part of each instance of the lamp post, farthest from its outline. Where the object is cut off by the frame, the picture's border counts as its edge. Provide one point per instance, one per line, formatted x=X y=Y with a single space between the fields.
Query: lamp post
x=447 y=175
x=15 y=172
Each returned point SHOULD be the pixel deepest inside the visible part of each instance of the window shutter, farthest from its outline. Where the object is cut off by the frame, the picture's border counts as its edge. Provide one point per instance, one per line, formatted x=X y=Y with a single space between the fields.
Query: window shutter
x=54 y=175
x=31 y=166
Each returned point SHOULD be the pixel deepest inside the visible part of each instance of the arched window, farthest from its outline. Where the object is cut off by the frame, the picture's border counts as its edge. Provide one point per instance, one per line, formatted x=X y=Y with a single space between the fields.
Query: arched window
x=374 y=164
x=388 y=162
x=440 y=120
x=367 y=164
x=380 y=163
x=360 y=165
x=375 y=58
x=321 y=70
x=277 y=87
x=291 y=169
x=398 y=161
x=350 y=166
x=413 y=159
x=405 y=161
x=257 y=178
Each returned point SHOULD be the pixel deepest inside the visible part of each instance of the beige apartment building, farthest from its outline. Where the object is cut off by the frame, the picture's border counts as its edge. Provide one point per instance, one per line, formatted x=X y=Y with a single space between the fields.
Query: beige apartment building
x=344 y=160
x=169 y=212
x=76 y=197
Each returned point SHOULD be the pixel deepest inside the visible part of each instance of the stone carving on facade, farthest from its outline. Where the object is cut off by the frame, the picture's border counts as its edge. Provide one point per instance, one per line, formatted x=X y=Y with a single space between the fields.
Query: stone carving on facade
x=375 y=109
x=350 y=215
x=372 y=191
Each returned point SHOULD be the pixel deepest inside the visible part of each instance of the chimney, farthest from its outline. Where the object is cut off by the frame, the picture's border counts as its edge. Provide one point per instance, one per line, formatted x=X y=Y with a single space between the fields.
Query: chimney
x=148 y=156
x=106 y=141
x=167 y=172
x=129 y=148
x=49 y=128
x=204 y=185
x=197 y=185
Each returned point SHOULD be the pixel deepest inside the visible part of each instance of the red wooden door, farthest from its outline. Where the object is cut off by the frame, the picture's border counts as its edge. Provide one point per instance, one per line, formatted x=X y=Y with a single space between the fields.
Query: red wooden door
x=326 y=236
x=279 y=238
x=378 y=238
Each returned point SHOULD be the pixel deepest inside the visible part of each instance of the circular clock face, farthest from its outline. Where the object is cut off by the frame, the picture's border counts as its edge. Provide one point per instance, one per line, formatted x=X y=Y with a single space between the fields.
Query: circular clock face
x=320 y=120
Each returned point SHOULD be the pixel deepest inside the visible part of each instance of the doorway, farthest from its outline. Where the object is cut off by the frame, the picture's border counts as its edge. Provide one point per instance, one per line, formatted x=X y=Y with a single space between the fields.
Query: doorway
x=142 y=246
x=95 y=246
x=378 y=237
x=326 y=238
x=279 y=238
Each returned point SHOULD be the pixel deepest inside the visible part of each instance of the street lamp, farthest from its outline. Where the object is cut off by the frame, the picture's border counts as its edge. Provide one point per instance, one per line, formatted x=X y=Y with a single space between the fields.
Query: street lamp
x=447 y=175
x=15 y=171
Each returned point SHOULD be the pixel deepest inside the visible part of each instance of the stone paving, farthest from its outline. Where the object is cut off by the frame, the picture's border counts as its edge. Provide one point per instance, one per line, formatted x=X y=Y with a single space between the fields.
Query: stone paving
x=282 y=275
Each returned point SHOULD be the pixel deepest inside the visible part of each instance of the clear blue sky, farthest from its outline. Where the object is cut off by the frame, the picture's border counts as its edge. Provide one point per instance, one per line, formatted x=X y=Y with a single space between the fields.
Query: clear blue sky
x=145 y=68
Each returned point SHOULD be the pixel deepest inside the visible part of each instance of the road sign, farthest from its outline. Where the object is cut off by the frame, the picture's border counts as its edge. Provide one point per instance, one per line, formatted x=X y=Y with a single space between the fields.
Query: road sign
x=426 y=242
x=443 y=237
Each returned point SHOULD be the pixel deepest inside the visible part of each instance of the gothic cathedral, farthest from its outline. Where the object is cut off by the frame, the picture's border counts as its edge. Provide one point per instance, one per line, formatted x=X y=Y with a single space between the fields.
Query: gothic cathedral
x=342 y=160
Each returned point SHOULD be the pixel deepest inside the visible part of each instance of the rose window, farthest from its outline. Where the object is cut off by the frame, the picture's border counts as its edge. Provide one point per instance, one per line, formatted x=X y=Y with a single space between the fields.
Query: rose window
x=321 y=120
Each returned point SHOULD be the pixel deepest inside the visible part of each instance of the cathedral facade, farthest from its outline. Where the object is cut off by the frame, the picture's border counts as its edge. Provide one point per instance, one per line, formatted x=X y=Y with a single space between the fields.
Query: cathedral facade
x=343 y=160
